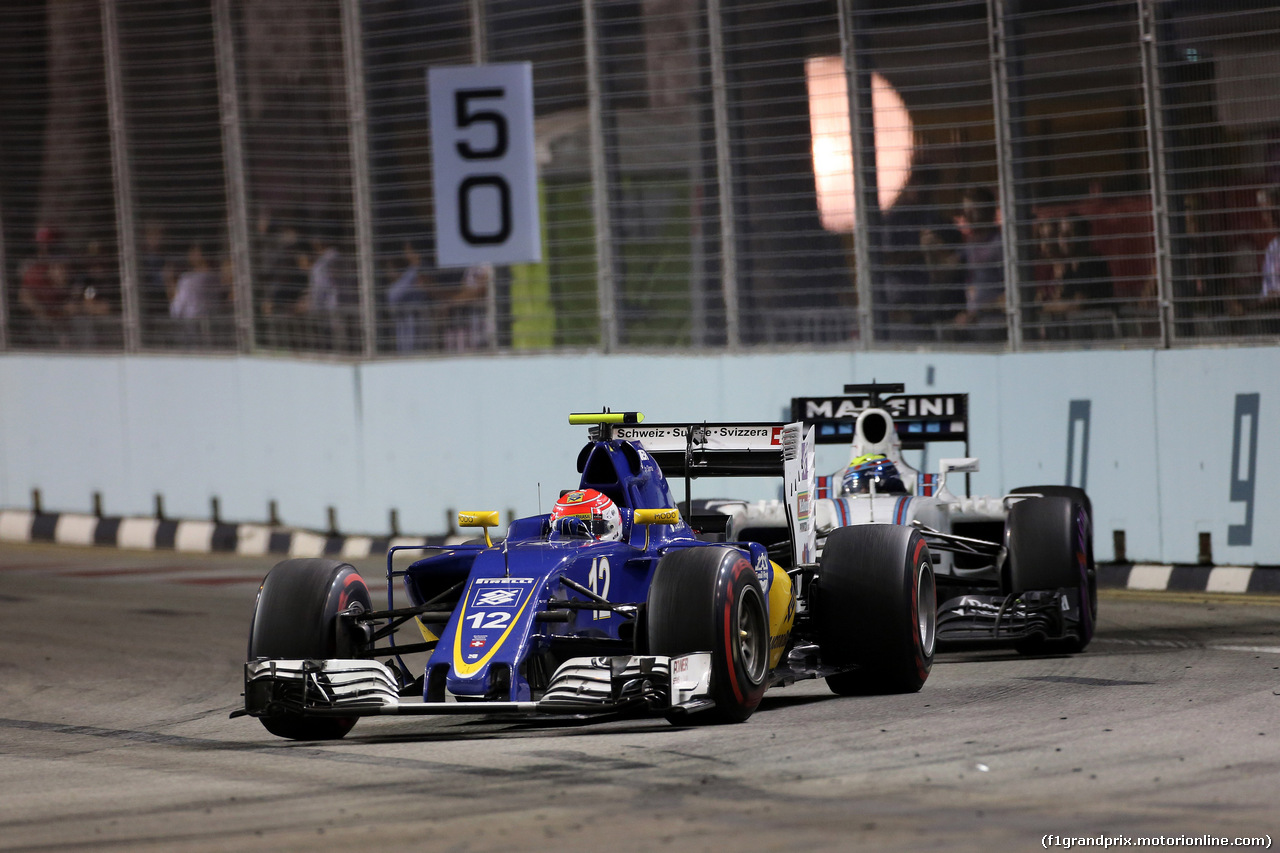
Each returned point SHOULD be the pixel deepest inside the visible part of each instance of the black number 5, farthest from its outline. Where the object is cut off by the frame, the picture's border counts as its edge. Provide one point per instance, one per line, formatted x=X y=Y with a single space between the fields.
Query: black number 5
x=464 y=117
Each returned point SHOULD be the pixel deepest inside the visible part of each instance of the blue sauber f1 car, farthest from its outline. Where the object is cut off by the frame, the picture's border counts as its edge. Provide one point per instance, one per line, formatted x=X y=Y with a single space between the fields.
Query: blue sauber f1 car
x=609 y=603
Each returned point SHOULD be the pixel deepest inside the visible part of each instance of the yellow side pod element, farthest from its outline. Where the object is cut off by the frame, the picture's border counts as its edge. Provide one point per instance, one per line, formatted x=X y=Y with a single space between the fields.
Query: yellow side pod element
x=782 y=613
x=654 y=516
x=479 y=519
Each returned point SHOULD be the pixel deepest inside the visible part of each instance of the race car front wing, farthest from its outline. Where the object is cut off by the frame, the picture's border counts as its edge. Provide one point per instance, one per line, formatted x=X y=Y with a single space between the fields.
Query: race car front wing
x=586 y=685
x=978 y=618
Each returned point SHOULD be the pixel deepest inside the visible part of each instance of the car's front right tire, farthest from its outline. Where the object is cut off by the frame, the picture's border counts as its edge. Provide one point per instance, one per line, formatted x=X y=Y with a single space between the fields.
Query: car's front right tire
x=296 y=617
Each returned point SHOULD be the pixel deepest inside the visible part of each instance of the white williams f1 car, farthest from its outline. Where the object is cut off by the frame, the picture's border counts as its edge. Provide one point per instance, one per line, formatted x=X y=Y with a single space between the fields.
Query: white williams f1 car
x=1012 y=570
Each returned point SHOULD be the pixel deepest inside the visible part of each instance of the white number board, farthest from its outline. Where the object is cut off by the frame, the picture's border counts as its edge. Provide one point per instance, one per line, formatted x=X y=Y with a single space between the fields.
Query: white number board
x=486 y=180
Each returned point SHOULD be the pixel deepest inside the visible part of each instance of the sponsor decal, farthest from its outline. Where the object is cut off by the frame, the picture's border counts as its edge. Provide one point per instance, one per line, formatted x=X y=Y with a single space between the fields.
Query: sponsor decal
x=906 y=406
x=496 y=597
x=496 y=609
x=641 y=433
x=802 y=505
x=772 y=433
x=679 y=666
x=573 y=497
x=830 y=409
x=762 y=570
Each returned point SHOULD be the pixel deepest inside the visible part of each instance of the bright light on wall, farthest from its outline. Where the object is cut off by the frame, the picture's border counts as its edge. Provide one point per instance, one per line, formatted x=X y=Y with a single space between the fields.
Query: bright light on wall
x=832 y=152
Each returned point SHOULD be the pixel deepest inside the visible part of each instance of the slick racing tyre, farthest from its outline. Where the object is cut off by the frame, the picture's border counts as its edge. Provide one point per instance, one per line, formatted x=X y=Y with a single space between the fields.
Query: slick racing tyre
x=1050 y=545
x=708 y=599
x=296 y=617
x=876 y=608
x=1074 y=492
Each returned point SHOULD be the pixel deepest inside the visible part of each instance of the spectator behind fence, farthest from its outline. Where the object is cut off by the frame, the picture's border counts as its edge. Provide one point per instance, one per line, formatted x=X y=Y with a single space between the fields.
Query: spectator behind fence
x=195 y=295
x=983 y=254
x=408 y=304
x=1269 y=204
x=44 y=291
x=470 y=322
x=283 y=269
x=95 y=299
x=326 y=298
x=1075 y=298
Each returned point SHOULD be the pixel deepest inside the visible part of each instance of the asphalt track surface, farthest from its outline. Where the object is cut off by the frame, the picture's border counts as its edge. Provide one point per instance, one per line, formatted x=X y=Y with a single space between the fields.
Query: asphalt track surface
x=120 y=669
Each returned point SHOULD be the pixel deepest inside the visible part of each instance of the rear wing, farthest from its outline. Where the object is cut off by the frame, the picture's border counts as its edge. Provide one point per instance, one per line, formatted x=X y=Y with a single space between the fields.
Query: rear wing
x=739 y=450
x=713 y=450
x=919 y=418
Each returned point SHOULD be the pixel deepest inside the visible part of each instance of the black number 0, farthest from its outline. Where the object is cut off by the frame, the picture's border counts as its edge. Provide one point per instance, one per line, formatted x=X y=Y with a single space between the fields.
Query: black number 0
x=1244 y=465
x=464 y=117
x=504 y=208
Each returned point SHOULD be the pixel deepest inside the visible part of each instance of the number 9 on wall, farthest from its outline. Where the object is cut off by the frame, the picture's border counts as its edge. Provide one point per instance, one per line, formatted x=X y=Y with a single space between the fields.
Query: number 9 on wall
x=482 y=150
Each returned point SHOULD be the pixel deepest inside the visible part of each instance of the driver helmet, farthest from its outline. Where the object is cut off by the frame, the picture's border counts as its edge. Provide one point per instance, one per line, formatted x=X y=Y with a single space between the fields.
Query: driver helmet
x=872 y=468
x=599 y=514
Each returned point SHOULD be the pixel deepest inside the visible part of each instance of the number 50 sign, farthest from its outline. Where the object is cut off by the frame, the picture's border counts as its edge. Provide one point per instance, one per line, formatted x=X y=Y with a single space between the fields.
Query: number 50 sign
x=486 y=182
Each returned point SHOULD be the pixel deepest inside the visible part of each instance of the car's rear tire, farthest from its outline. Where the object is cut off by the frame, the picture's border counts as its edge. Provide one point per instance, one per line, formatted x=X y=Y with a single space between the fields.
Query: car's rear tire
x=296 y=617
x=876 y=608
x=1050 y=546
x=708 y=599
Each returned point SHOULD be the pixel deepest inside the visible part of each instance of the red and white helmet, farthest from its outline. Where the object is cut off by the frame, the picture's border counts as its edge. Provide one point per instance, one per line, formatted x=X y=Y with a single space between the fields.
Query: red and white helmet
x=600 y=514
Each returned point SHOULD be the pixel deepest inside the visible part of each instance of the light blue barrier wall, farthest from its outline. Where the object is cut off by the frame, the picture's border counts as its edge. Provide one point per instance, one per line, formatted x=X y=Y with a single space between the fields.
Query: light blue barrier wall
x=1164 y=441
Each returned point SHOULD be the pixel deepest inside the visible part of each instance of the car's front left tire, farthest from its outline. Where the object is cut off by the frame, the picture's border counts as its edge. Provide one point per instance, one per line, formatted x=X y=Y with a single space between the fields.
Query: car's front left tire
x=876 y=609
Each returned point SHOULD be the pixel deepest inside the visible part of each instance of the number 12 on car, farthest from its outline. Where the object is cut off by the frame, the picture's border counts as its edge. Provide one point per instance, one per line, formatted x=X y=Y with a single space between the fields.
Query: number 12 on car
x=483 y=167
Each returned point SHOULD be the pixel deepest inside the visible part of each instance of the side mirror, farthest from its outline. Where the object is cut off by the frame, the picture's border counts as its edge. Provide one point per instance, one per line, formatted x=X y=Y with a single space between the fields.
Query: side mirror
x=964 y=465
x=647 y=517
x=479 y=519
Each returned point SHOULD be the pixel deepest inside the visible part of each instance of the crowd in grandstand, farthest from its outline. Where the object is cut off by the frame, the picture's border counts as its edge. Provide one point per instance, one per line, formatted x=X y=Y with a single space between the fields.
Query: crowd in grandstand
x=1088 y=274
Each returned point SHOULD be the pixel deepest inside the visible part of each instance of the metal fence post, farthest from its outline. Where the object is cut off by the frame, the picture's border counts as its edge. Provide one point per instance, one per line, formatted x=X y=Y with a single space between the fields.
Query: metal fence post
x=479 y=32
x=724 y=176
x=361 y=186
x=1156 y=162
x=865 y=181
x=233 y=164
x=997 y=18
x=122 y=178
x=605 y=280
